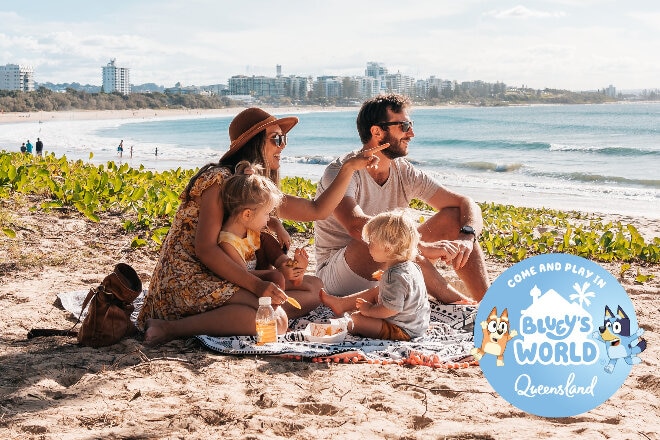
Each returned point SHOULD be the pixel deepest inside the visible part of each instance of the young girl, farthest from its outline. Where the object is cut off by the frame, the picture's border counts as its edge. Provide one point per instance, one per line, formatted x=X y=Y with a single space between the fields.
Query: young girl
x=398 y=309
x=249 y=198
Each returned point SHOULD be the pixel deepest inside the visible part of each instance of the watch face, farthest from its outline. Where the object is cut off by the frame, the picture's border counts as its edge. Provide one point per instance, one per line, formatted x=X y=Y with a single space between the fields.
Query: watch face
x=467 y=230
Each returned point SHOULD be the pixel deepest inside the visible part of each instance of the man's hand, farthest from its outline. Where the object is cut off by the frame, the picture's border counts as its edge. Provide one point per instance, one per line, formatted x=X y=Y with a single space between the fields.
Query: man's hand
x=454 y=252
x=465 y=248
x=444 y=250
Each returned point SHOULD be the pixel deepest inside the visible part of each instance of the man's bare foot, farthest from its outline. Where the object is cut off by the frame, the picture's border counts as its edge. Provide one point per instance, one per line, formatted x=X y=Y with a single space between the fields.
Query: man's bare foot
x=156 y=332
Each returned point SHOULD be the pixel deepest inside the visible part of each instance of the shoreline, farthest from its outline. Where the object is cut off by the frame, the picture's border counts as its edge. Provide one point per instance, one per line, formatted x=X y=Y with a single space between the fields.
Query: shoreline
x=144 y=156
x=146 y=114
x=90 y=115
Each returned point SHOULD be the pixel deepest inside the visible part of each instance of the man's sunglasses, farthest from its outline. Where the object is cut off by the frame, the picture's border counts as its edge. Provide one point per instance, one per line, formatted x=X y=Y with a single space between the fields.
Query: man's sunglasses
x=405 y=125
x=279 y=140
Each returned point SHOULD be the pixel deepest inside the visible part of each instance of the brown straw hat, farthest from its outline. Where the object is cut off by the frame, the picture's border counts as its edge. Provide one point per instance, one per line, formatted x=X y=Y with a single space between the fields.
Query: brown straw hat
x=251 y=121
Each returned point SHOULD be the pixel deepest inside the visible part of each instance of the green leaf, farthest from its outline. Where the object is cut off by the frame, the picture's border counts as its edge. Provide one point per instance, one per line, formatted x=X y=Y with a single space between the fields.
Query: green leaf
x=9 y=232
x=91 y=215
x=138 y=242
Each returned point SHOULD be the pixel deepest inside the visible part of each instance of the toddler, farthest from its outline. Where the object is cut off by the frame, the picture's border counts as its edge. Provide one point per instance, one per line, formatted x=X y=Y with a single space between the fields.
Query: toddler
x=398 y=309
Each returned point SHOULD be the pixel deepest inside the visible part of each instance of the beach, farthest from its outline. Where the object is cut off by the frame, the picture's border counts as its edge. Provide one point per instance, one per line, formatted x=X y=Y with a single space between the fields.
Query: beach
x=53 y=389
x=141 y=114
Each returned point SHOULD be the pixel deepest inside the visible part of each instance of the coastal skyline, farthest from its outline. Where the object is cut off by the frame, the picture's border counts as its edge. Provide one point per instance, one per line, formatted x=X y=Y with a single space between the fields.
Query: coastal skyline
x=569 y=44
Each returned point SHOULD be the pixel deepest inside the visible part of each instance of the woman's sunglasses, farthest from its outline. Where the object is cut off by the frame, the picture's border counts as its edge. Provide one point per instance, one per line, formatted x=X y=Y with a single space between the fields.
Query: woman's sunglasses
x=279 y=140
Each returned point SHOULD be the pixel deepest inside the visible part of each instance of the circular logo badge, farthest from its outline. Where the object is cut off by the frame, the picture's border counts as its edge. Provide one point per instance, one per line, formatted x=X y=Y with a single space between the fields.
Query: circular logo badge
x=556 y=335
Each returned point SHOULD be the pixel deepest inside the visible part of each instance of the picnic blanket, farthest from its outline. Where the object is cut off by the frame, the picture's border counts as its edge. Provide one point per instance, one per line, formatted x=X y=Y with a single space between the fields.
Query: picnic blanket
x=447 y=343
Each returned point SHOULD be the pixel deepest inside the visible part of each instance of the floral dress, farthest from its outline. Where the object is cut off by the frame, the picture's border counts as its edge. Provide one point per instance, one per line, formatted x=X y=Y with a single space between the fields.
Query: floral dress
x=181 y=284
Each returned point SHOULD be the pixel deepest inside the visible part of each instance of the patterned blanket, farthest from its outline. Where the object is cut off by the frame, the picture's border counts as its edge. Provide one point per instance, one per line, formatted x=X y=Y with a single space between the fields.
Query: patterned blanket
x=447 y=343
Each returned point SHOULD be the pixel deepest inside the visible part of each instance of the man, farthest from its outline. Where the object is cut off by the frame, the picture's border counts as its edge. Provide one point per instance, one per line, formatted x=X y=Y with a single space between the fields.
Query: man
x=343 y=260
x=39 y=147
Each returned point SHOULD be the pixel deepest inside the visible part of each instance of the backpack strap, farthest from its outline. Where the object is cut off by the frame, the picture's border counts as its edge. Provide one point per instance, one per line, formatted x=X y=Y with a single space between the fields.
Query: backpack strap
x=39 y=332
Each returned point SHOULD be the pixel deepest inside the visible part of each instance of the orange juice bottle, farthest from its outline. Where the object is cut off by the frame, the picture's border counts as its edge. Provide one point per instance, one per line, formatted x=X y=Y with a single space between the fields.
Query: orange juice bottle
x=266 y=324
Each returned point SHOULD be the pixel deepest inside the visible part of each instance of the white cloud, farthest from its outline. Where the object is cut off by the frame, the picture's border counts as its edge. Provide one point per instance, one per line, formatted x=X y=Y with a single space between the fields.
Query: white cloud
x=523 y=12
x=204 y=42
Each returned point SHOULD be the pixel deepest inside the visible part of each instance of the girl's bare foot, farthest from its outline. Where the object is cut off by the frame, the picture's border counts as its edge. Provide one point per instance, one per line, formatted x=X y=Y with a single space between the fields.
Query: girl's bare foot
x=301 y=258
x=156 y=332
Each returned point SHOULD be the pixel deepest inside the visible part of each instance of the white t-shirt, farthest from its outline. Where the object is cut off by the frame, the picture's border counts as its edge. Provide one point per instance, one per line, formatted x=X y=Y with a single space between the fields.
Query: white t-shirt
x=404 y=183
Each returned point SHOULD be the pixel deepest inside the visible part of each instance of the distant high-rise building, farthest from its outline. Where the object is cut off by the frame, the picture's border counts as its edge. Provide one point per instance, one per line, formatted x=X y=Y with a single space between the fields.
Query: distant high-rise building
x=15 y=77
x=376 y=70
x=611 y=91
x=379 y=72
x=116 y=79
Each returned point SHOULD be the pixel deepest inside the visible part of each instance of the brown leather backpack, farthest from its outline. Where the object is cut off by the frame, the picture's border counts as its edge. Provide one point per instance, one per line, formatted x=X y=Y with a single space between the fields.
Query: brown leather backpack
x=108 y=319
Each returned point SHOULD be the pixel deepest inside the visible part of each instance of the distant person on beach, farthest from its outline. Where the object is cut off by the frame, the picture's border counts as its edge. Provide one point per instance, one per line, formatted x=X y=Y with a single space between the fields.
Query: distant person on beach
x=120 y=148
x=39 y=146
x=23 y=148
x=196 y=288
x=451 y=235
x=156 y=151
x=131 y=151
x=399 y=309
x=28 y=147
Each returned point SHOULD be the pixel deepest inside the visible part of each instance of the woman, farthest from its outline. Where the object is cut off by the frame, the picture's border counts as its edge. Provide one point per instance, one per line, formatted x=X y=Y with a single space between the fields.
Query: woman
x=196 y=288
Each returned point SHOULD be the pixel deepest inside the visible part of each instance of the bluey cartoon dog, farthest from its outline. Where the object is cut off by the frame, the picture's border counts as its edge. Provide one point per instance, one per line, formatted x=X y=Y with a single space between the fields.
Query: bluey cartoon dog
x=496 y=335
x=619 y=341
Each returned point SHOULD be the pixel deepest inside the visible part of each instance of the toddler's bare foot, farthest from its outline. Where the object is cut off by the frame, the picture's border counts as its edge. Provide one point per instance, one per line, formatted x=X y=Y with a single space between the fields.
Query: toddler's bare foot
x=337 y=304
x=156 y=332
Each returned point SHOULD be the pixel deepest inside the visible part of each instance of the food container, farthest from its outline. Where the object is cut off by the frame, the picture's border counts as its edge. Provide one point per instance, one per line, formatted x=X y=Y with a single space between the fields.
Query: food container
x=332 y=333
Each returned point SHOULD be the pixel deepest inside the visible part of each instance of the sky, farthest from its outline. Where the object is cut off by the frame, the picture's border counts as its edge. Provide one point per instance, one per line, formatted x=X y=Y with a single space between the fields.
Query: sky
x=564 y=44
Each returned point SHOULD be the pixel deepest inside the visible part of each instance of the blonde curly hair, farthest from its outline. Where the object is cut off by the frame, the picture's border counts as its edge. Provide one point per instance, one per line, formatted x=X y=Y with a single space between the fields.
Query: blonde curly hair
x=396 y=231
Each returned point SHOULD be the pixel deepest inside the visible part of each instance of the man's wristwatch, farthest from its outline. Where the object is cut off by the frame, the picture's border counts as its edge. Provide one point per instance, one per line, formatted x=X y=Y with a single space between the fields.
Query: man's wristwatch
x=468 y=230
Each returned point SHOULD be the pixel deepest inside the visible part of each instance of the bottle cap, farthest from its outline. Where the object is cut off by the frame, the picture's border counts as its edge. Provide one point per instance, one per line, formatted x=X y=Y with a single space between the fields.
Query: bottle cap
x=264 y=300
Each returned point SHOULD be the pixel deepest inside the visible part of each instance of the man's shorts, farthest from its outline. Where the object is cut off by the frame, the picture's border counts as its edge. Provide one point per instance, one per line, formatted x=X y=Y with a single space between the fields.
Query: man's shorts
x=339 y=279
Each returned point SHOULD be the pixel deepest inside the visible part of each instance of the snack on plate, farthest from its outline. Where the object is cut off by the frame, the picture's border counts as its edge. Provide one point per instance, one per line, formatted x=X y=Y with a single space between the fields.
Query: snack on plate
x=320 y=330
x=333 y=333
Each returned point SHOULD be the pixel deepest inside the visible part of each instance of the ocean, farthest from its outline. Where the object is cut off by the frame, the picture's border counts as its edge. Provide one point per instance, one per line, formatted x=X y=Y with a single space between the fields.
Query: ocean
x=595 y=158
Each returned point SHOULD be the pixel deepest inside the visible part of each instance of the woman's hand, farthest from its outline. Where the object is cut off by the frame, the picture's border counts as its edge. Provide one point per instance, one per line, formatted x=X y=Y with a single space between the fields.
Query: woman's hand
x=364 y=158
x=268 y=288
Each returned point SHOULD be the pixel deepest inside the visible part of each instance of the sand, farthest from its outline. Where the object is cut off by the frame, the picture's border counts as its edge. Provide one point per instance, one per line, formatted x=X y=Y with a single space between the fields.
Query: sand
x=53 y=389
x=82 y=115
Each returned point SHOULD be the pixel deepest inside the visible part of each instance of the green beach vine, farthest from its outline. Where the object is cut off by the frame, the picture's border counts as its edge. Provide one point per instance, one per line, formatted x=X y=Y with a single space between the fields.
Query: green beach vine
x=147 y=200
